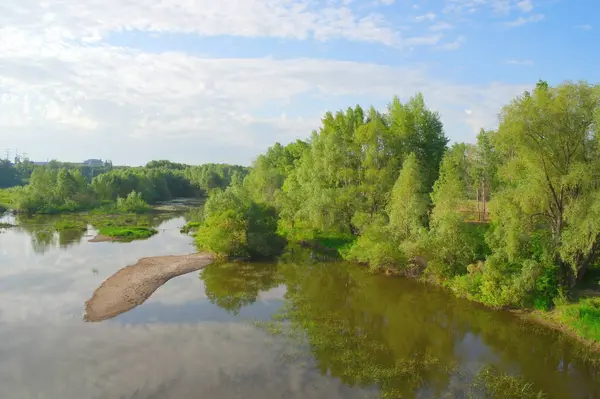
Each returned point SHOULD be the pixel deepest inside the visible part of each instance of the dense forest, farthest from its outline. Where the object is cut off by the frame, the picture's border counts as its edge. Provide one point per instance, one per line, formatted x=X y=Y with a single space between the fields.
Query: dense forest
x=62 y=187
x=510 y=220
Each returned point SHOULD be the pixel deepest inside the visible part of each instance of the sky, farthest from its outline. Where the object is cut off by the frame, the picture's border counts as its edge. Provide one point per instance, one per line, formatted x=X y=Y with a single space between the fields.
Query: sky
x=199 y=81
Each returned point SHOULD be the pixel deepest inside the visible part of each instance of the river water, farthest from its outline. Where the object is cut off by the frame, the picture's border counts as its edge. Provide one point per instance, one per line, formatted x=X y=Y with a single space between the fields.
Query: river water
x=298 y=328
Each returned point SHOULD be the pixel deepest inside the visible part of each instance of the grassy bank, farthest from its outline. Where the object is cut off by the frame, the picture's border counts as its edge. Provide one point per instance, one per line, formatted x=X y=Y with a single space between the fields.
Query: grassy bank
x=128 y=233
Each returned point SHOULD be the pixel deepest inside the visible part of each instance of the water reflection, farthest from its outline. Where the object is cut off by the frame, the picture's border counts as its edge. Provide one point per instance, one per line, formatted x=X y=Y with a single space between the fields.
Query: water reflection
x=49 y=231
x=407 y=339
x=232 y=286
x=338 y=332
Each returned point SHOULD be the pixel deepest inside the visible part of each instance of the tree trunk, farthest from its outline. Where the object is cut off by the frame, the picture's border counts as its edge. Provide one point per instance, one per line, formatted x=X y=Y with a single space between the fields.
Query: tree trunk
x=484 y=201
x=478 y=208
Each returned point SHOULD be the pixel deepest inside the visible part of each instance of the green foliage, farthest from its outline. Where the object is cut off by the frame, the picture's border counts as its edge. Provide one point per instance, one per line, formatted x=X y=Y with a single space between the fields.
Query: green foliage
x=190 y=226
x=52 y=190
x=133 y=203
x=224 y=234
x=269 y=171
x=236 y=226
x=408 y=206
x=8 y=174
x=61 y=187
x=208 y=177
x=582 y=317
x=453 y=244
x=127 y=233
x=376 y=247
x=344 y=179
x=549 y=179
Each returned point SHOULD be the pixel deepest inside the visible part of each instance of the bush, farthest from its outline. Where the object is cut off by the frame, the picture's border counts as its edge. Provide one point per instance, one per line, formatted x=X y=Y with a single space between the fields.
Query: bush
x=133 y=203
x=376 y=248
x=224 y=234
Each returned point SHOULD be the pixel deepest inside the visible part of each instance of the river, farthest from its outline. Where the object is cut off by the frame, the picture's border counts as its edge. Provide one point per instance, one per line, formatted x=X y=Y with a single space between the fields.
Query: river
x=301 y=327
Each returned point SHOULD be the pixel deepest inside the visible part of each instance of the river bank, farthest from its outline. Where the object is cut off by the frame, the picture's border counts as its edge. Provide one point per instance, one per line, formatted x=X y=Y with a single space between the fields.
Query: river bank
x=578 y=319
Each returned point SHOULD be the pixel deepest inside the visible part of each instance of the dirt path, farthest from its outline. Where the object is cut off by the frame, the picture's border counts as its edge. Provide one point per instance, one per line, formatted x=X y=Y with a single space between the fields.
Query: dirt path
x=132 y=285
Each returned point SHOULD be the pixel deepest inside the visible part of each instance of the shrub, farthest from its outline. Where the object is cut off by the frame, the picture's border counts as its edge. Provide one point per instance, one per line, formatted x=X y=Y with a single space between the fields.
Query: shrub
x=133 y=203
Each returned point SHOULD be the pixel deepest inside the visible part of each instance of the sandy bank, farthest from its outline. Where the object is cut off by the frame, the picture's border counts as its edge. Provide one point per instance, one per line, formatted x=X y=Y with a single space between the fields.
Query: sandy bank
x=132 y=285
x=101 y=238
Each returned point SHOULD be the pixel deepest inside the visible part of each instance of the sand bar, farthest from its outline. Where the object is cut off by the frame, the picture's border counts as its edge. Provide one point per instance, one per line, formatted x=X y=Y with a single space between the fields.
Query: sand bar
x=132 y=285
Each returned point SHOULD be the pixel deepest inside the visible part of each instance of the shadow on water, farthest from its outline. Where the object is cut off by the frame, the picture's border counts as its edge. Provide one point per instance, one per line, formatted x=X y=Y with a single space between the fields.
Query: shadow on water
x=405 y=338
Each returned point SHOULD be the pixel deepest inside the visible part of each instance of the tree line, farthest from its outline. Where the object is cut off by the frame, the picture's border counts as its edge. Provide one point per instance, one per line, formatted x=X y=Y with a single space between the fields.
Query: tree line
x=61 y=187
x=511 y=220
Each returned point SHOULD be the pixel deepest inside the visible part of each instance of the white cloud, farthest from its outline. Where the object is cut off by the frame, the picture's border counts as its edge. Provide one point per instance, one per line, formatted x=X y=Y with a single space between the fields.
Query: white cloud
x=524 y=20
x=426 y=17
x=95 y=19
x=497 y=6
x=441 y=26
x=525 y=5
x=453 y=45
x=52 y=85
x=423 y=40
x=519 y=62
x=116 y=93
x=584 y=27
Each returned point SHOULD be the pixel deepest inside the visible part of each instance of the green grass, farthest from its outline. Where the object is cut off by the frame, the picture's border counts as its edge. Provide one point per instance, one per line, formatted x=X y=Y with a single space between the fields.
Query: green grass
x=127 y=233
x=582 y=317
x=7 y=198
x=5 y=225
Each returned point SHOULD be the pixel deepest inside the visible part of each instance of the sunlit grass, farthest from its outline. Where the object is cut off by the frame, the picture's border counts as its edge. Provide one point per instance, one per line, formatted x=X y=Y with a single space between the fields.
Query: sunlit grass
x=127 y=233
x=583 y=317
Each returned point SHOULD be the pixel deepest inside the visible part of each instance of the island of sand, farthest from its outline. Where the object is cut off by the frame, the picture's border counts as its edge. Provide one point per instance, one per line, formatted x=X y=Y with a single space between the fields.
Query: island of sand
x=132 y=285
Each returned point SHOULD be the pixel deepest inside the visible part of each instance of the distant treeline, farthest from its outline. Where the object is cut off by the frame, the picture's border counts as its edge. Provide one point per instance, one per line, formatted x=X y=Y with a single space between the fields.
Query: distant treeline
x=63 y=187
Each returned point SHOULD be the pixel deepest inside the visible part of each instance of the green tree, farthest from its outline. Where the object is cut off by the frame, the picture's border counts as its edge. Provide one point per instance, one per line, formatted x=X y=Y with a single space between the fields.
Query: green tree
x=453 y=244
x=408 y=203
x=550 y=181
x=419 y=131
x=8 y=174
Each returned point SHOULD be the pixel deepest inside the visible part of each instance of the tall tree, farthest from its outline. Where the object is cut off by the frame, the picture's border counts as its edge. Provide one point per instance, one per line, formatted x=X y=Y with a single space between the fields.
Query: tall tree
x=408 y=203
x=551 y=140
x=452 y=244
x=419 y=131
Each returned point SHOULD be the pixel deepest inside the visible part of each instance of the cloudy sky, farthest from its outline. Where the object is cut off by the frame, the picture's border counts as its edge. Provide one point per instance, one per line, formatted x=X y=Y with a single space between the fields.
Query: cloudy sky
x=219 y=81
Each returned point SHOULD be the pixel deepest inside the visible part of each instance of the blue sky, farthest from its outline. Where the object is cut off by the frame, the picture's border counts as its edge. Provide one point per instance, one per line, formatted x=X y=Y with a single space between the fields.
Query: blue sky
x=201 y=81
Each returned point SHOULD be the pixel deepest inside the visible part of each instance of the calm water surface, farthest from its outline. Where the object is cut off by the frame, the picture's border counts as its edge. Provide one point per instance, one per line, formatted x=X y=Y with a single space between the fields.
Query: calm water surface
x=300 y=328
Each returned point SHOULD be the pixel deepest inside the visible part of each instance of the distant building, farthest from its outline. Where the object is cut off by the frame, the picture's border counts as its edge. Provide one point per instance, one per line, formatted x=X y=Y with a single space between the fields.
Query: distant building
x=93 y=162
x=40 y=163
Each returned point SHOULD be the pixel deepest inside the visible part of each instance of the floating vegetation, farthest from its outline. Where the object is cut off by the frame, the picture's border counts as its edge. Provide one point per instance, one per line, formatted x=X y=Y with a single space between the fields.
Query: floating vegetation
x=499 y=385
